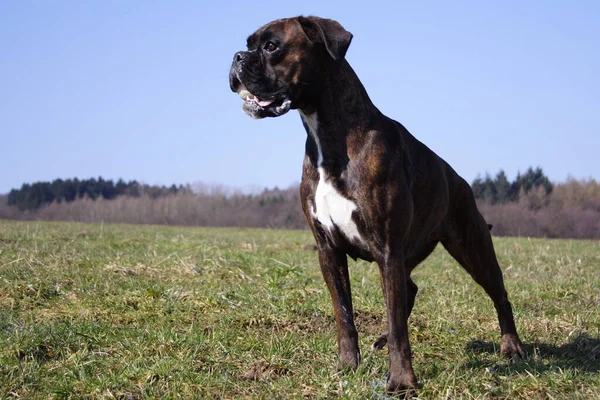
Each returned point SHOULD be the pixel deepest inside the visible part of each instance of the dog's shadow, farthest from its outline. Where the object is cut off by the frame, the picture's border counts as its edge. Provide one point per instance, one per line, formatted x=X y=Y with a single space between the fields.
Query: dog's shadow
x=581 y=354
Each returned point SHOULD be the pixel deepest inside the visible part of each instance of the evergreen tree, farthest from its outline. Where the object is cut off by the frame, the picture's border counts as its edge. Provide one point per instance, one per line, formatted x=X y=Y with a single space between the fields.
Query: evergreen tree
x=502 y=187
x=532 y=179
x=478 y=187
x=513 y=193
x=489 y=190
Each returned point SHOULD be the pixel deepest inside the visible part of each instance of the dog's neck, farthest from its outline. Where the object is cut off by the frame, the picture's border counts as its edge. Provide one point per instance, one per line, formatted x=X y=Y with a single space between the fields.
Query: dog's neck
x=338 y=105
x=341 y=109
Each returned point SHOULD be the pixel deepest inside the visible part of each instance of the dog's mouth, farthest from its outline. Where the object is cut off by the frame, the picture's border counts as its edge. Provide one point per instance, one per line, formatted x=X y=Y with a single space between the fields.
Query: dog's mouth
x=258 y=107
x=247 y=96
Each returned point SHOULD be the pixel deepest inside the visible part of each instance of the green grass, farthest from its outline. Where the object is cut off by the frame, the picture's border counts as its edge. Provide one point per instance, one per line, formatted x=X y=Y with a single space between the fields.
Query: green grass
x=135 y=312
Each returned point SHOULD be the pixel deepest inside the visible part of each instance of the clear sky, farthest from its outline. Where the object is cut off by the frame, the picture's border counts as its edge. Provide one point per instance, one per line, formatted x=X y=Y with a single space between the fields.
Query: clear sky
x=139 y=89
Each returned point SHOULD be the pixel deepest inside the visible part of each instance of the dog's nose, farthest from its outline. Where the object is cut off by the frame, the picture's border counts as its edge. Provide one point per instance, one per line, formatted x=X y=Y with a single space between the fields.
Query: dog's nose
x=239 y=56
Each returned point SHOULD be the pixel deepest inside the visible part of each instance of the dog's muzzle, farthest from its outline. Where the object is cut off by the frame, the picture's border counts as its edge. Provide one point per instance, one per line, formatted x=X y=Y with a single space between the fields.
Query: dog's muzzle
x=243 y=78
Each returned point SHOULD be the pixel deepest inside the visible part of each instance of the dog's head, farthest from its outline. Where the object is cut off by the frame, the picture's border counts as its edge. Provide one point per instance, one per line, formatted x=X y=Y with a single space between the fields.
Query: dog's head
x=284 y=63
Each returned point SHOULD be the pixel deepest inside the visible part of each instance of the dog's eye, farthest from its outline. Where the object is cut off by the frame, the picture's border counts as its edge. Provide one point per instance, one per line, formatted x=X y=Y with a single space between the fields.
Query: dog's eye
x=270 y=47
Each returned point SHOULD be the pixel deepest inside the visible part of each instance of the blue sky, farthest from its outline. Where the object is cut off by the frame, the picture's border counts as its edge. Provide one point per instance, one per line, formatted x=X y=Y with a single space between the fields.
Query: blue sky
x=139 y=90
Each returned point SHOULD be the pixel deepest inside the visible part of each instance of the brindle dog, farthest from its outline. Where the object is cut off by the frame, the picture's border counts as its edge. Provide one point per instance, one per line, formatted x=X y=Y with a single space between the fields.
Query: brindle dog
x=369 y=188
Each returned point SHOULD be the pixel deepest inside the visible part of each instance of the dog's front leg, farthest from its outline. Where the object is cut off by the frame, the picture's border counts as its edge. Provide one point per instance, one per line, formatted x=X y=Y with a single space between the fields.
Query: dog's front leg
x=401 y=376
x=334 y=266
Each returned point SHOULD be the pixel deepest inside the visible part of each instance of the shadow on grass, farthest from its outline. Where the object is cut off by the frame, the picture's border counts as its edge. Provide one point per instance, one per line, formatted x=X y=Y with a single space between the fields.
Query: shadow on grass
x=581 y=354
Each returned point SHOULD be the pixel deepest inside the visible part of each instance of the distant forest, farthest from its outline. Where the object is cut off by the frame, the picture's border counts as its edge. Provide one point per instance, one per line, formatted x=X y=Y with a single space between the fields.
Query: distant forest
x=500 y=191
x=33 y=196
x=530 y=205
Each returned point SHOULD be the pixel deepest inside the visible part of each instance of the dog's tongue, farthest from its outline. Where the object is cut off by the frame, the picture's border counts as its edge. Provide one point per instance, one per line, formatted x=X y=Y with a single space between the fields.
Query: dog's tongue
x=262 y=103
x=246 y=95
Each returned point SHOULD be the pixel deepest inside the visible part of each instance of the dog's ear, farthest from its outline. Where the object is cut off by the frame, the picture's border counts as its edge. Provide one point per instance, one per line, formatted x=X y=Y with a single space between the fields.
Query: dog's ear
x=329 y=32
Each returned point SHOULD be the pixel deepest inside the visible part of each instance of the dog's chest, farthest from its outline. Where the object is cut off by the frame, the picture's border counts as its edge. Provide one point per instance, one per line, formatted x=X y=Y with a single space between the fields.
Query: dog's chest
x=333 y=210
x=330 y=207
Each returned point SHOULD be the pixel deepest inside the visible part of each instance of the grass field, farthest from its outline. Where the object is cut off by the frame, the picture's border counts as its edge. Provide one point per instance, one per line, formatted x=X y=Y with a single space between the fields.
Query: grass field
x=135 y=312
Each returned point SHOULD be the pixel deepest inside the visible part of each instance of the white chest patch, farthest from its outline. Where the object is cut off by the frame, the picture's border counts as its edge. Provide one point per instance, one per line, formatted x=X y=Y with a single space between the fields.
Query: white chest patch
x=330 y=208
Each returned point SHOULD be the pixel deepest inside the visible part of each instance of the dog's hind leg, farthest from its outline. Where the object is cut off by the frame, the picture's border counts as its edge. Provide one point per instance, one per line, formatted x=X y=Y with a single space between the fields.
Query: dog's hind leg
x=468 y=240
x=411 y=293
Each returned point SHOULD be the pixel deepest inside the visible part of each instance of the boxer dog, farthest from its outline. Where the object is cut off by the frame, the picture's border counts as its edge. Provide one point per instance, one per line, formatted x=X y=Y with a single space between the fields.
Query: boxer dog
x=369 y=188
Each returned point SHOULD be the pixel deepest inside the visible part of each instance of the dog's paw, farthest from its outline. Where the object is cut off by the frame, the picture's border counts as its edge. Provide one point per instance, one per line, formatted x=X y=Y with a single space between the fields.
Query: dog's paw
x=348 y=361
x=511 y=347
x=404 y=387
x=380 y=343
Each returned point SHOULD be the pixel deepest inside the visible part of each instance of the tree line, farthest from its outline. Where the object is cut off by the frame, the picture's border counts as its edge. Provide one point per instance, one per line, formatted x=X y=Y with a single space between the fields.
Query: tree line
x=529 y=205
x=29 y=197
x=500 y=191
x=33 y=196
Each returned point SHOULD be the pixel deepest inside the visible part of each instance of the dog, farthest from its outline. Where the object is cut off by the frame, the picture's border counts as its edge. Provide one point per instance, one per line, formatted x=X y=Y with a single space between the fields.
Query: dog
x=369 y=189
